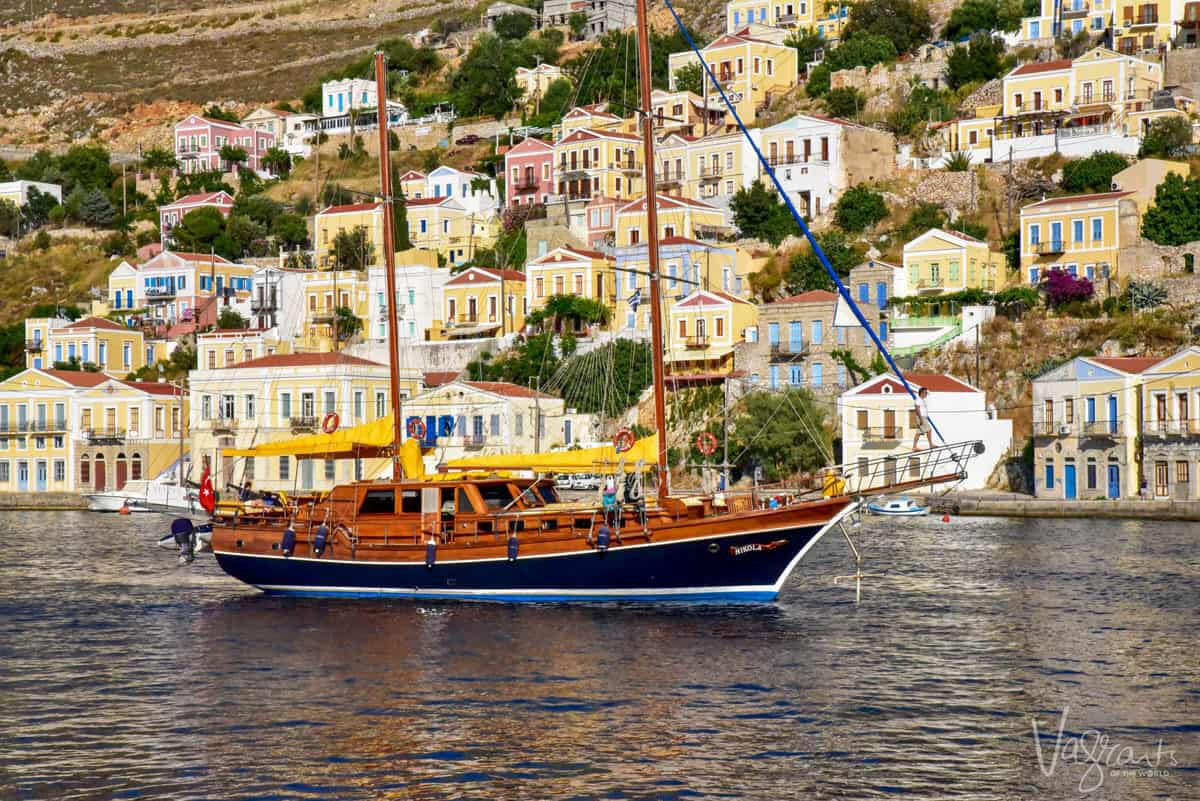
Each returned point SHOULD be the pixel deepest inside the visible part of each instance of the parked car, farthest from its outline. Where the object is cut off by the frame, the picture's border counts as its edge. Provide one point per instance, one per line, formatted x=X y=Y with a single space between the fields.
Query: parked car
x=585 y=481
x=564 y=481
x=469 y=139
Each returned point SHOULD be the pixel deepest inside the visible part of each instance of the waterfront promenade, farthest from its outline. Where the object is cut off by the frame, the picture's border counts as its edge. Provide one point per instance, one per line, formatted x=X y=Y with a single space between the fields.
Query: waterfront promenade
x=1011 y=504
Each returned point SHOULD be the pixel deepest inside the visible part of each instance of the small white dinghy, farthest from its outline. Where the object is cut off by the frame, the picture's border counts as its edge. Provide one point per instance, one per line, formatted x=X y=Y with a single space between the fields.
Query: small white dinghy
x=146 y=496
x=903 y=506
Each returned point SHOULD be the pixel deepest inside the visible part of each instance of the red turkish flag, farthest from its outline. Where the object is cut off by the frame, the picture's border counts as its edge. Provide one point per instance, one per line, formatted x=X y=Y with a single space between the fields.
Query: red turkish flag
x=208 y=499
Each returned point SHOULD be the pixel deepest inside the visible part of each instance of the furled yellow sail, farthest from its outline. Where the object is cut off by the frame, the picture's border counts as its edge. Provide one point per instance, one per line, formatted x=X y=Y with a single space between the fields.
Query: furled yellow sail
x=604 y=459
x=365 y=441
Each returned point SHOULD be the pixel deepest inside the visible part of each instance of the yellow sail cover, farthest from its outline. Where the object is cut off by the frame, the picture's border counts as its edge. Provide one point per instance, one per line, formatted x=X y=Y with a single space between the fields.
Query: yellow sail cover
x=365 y=441
x=604 y=459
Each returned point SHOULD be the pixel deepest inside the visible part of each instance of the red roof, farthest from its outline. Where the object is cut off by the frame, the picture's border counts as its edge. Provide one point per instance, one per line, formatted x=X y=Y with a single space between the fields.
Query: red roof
x=197 y=199
x=436 y=378
x=305 y=360
x=506 y=389
x=1055 y=201
x=812 y=296
x=425 y=201
x=1126 y=364
x=153 y=387
x=934 y=382
x=698 y=298
x=96 y=322
x=204 y=257
x=79 y=378
x=682 y=240
x=413 y=175
x=587 y=254
x=489 y=275
x=352 y=207
x=1043 y=66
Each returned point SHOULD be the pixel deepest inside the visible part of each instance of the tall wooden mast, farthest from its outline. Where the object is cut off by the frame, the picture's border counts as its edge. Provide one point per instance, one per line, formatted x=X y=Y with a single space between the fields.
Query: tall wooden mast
x=656 y=322
x=389 y=255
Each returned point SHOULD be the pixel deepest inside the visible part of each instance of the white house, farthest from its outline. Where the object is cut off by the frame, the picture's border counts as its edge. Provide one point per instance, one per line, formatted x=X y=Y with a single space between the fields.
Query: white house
x=878 y=419
x=450 y=182
x=339 y=97
x=418 y=298
x=18 y=191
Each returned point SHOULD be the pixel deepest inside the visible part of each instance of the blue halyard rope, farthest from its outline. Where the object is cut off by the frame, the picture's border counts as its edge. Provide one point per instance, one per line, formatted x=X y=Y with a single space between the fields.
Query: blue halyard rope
x=812 y=241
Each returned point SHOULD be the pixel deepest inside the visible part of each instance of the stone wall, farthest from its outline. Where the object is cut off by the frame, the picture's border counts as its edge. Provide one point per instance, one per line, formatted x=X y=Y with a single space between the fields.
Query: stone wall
x=1143 y=260
x=869 y=155
x=41 y=500
x=1181 y=67
x=881 y=77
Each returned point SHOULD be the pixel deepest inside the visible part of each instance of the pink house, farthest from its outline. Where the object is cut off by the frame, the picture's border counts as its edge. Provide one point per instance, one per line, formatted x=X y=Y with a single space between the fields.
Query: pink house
x=529 y=171
x=170 y=214
x=198 y=143
x=601 y=215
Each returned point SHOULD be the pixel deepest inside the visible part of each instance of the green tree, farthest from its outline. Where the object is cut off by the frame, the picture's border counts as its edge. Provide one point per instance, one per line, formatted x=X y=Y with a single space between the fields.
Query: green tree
x=278 y=162
x=845 y=102
x=197 y=232
x=88 y=166
x=906 y=23
x=1174 y=219
x=859 y=208
x=246 y=235
x=5 y=172
x=775 y=431
x=215 y=112
x=10 y=219
x=514 y=26
x=482 y=85
x=347 y=323
x=607 y=380
x=37 y=208
x=352 y=249
x=805 y=271
x=234 y=156
x=923 y=104
x=982 y=59
x=260 y=208
x=577 y=22
x=1073 y=46
x=860 y=50
x=96 y=210
x=230 y=320
x=1094 y=173
x=818 y=80
x=158 y=159
x=553 y=104
x=690 y=78
x=971 y=17
x=759 y=214
x=290 y=231
x=1168 y=137
x=198 y=182
x=806 y=44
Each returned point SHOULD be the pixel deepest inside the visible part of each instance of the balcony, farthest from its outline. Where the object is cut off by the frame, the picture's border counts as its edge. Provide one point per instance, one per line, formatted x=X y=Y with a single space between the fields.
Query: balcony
x=668 y=180
x=33 y=345
x=1103 y=428
x=1146 y=18
x=298 y=424
x=574 y=171
x=1049 y=247
x=1053 y=429
x=526 y=184
x=697 y=342
x=785 y=19
x=224 y=424
x=883 y=435
x=160 y=293
x=261 y=305
x=34 y=427
x=325 y=317
x=473 y=441
x=1076 y=10
x=710 y=172
x=106 y=434
x=1164 y=429
x=788 y=351
x=1094 y=99
x=930 y=285
x=626 y=167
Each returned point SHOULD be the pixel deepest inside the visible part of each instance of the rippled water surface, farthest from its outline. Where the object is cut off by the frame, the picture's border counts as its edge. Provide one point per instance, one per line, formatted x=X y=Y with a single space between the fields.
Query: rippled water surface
x=123 y=676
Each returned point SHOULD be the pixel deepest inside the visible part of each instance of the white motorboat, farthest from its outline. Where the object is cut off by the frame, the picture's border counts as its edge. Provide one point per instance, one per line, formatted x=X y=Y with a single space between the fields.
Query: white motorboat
x=146 y=496
x=897 y=507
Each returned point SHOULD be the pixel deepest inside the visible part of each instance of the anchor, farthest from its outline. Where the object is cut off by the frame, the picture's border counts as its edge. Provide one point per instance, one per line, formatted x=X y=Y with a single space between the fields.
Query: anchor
x=858 y=575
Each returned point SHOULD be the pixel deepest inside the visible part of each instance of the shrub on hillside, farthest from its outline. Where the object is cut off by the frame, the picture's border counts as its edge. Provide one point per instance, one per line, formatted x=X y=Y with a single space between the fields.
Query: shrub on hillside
x=859 y=208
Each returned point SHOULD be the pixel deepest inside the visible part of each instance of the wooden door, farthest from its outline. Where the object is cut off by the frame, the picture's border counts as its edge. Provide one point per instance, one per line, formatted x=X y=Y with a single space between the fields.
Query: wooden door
x=99 y=478
x=122 y=470
x=1161 y=477
x=889 y=423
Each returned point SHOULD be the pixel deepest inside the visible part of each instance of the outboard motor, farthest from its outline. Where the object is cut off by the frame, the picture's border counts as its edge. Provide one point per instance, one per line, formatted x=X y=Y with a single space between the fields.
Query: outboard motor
x=514 y=547
x=430 y=553
x=185 y=537
x=288 y=544
x=603 y=537
x=319 y=541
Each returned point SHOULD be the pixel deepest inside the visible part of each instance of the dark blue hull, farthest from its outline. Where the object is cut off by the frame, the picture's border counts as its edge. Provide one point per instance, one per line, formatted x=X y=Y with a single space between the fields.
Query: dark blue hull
x=730 y=567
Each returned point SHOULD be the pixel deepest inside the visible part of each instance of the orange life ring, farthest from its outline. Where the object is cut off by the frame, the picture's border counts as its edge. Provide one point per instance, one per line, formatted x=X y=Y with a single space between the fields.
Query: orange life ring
x=706 y=443
x=416 y=429
x=623 y=440
x=329 y=423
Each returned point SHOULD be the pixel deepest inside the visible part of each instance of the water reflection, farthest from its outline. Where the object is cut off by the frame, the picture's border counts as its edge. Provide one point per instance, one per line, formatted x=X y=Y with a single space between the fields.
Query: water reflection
x=124 y=673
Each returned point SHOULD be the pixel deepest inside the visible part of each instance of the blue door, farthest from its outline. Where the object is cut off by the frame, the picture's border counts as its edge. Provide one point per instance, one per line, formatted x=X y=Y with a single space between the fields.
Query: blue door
x=23 y=476
x=1069 y=481
x=1112 y=414
x=1114 y=481
x=1049 y=478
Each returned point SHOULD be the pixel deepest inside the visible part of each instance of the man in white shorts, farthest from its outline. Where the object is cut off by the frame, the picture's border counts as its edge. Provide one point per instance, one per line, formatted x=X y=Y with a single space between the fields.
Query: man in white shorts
x=923 y=426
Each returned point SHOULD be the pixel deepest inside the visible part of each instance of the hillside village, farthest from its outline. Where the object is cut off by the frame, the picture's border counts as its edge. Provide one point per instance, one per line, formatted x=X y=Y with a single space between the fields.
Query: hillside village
x=1008 y=192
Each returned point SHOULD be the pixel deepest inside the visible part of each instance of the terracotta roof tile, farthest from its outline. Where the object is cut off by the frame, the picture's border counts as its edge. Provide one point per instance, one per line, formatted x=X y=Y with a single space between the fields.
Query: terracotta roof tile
x=96 y=322
x=934 y=382
x=79 y=378
x=506 y=389
x=304 y=360
x=436 y=378
x=1126 y=364
x=351 y=207
x=1056 y=201
x=1043 y=66
x=812 y=296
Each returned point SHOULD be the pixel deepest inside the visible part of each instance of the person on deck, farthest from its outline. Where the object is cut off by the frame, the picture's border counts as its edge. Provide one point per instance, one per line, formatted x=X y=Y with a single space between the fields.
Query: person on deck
x=923 y=426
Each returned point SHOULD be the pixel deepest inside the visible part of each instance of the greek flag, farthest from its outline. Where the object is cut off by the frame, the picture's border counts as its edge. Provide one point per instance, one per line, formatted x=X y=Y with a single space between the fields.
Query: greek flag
x=635 y=299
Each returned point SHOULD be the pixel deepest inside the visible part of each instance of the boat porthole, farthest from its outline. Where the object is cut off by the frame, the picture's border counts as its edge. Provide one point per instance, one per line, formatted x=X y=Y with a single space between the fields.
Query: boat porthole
x=239 y=543
x=713 y=547
x=274 y=546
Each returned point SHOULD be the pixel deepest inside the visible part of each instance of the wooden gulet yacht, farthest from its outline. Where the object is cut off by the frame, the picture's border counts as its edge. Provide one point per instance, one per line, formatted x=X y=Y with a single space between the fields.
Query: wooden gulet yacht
x=490 y=536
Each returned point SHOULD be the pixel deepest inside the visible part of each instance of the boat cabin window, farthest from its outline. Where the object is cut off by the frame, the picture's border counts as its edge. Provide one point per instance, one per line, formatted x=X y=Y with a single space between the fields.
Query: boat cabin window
x=410 y=502
x=465 y=507
x=547 y=492
x=378 y=502
x=448 y=501
x=495 y=496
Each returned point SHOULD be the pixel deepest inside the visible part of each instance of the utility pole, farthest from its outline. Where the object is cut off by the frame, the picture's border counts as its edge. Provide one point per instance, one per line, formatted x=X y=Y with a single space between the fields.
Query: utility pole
x=1009 y=191
x=124 y=198
x=537 y=415
x=725 y=434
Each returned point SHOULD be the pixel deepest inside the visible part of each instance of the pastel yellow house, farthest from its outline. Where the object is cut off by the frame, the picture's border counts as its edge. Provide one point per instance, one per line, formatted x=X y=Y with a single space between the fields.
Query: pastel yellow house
x=75 y=431
x=412 y=184
x=1080 y=234
x=940 y=262
x=222 y=348
x=1139 y=27
x=686 y=112
x=279 y=396
x=589 y=162
x=324 y=292
x=1066 y=17
x=751 y=71
x=1141 y=179
x=443 y=225
x=824 y=20
x=534 y=81
x=334 y=220
x=677 y=216
x=93 y=341
x=703 y=329
x=718 y=166
x=594 y=117
x=482 y=302
x=570 y=271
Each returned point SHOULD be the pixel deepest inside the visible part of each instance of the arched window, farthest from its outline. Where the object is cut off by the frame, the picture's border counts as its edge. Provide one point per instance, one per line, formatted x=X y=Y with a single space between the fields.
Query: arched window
x=135 y=467
x=85 y=470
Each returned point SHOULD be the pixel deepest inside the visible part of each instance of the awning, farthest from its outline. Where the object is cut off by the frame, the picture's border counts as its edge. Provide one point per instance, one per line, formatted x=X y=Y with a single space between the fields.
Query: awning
x=708 y=354
x=604 y=459
x=471 y=330
x=367 y=441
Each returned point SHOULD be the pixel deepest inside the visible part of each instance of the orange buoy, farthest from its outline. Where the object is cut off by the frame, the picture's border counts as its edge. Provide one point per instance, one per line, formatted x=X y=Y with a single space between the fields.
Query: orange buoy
x=946 y=518
x=124 y=510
